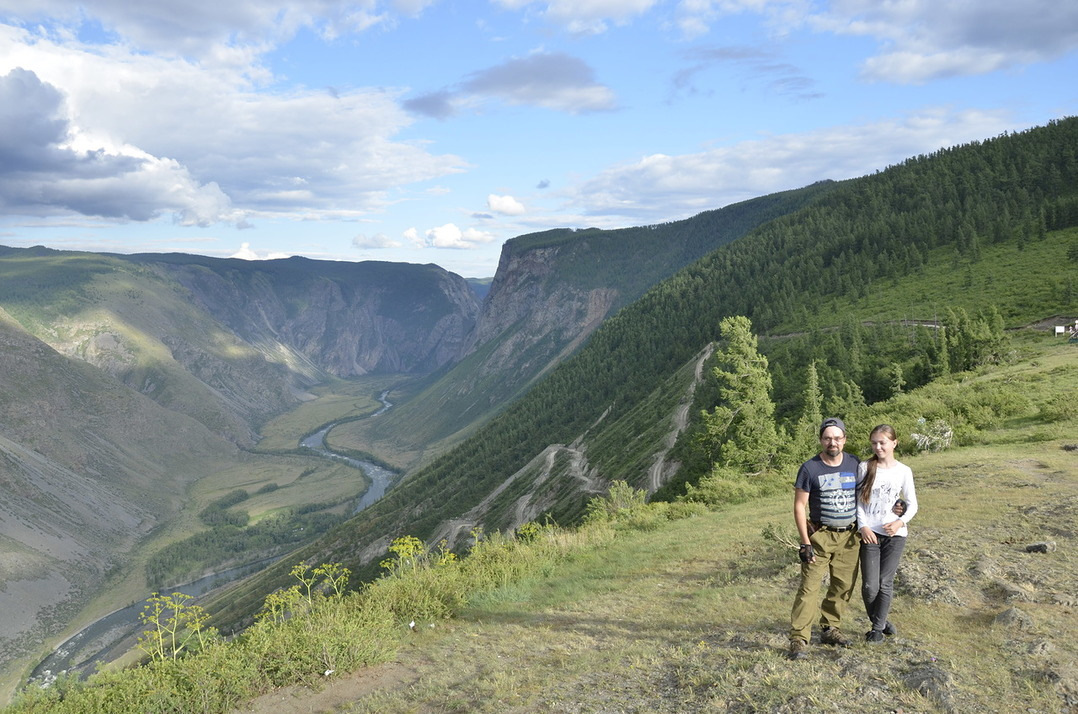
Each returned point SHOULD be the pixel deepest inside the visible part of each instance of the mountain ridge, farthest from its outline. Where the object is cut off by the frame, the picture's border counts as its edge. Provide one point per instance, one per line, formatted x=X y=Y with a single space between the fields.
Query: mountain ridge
x=798 y=270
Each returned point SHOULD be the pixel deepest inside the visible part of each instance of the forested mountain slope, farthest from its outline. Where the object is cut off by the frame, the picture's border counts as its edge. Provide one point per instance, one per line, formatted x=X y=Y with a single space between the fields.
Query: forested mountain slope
x=550 y=292
x=796 y=272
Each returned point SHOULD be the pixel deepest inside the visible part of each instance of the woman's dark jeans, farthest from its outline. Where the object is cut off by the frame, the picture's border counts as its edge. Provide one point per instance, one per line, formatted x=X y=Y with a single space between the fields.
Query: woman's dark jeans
x=879 y=563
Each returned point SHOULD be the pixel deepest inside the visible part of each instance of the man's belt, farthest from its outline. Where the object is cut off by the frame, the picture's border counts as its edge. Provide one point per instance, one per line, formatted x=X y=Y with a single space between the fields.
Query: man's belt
x=837 y=529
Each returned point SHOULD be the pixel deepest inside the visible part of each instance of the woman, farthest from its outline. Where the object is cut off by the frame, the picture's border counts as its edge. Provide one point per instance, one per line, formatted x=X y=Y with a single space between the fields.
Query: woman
x=882 y=482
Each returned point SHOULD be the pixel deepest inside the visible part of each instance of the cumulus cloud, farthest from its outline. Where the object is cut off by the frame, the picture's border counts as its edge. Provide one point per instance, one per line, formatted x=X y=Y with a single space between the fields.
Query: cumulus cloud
x=247 y=253
x=505 y=205
x=378 y=241
x=584 y=16
x=450 y=236
x=924 y=40
x=659 y=186
x=227 y=145
x=46 y=167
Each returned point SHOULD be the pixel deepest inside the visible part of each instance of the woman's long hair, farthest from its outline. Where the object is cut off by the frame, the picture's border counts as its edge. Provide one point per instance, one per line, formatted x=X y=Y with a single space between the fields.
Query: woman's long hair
x=873 y=463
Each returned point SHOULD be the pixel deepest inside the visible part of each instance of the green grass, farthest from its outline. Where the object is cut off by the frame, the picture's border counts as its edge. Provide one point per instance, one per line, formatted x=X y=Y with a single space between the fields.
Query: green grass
x=692 y=615
x=1027 y=285
x=335 y=400
x=647 y=614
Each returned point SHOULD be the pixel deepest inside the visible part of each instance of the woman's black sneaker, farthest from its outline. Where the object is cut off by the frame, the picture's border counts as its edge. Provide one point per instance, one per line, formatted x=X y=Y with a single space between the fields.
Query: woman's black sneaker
x=889 y=629
x=874 y=636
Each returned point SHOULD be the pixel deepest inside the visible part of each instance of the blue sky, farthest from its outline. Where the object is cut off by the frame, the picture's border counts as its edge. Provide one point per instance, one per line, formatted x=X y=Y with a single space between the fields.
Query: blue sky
x=429 y=131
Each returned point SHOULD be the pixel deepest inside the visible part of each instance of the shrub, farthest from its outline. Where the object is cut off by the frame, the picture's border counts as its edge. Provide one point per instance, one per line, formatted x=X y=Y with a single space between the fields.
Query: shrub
x=724 y=486
x=1061 y=407
x=620 y=502
x=933 y=436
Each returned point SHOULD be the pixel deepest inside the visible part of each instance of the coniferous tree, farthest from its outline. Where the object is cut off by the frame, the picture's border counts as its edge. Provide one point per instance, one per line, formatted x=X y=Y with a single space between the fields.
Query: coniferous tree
x=741 y=428
x=943 y=354
x=898 y=380
x=805 y=439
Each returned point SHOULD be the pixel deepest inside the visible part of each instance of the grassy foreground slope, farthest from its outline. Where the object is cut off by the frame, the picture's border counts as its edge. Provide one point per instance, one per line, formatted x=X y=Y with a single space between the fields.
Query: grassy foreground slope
x=691 y=615
x=670 y=608
x=967 y=208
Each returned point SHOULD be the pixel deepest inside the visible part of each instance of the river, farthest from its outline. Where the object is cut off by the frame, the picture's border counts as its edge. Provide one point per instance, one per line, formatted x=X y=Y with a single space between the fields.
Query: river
x=100 y=640
x=380 y=477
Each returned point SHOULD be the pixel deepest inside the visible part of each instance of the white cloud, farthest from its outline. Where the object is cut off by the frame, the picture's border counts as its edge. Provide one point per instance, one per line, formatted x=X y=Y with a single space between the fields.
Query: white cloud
x=413 y=237
x=450 y=236
x=918 y=40
x=585 y=16
x=378 y=241
x=505 y=205
x=658 y=186
x=245 y=253
x=202 y=136
x=924 y=40
x=49 y=167
x=216 y=32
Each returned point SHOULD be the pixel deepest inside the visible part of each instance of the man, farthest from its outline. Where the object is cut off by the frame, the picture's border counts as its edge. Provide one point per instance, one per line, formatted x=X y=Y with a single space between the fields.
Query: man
x=825 y=512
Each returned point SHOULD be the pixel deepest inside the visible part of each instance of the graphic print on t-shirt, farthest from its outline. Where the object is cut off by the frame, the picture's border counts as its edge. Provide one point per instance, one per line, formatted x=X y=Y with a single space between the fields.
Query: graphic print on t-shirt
x=838 y=504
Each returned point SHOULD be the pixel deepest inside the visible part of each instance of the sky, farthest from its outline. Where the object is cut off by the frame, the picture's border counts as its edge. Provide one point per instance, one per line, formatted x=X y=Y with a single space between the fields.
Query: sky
x=430 y=131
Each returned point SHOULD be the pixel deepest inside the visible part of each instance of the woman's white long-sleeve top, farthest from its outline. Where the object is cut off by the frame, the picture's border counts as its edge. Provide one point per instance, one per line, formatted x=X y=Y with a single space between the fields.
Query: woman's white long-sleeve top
x=890 y=485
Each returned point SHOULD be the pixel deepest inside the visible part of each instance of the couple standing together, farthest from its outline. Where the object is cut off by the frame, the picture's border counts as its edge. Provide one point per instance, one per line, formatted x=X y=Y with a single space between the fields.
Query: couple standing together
x=849 y=512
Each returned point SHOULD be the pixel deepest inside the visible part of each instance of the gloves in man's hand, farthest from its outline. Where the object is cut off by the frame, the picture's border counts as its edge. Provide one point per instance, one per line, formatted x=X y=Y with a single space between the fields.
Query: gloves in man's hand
x=806 y=553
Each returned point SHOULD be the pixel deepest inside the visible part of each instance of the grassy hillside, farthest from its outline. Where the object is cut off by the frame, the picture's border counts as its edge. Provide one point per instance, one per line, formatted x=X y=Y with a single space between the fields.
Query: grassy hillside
x=975 y=206
x=666 y=608
x=693 y=616
x=144 y=329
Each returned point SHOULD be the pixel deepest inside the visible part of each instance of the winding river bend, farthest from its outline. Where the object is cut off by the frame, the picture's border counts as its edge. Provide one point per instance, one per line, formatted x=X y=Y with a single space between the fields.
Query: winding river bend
x=105 y=638
x=380 y=476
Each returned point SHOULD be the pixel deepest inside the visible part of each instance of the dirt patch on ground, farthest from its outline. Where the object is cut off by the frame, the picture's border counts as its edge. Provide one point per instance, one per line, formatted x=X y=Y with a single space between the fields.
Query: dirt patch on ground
x=336 y=691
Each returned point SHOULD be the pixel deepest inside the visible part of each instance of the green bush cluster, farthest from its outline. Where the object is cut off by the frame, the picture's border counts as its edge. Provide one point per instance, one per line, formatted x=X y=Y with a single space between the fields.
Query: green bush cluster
x=724 y=486
x=309 y=631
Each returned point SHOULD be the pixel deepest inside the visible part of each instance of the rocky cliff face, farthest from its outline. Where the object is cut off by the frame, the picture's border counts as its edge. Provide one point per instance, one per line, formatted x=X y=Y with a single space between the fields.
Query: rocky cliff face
x=533 y=318
x=233 y=343
x=347 y=320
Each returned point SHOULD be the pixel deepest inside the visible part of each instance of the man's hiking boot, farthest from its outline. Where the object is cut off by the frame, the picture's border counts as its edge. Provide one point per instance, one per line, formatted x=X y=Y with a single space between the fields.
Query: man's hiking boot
x=834 y=636
x=889 y=629
x=797 y=648
x=874 y=636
